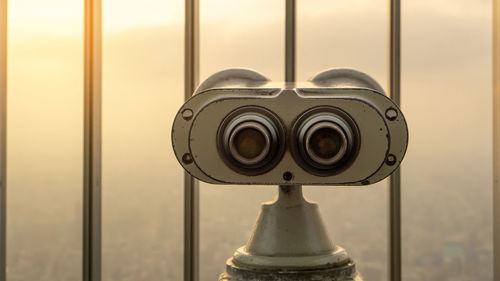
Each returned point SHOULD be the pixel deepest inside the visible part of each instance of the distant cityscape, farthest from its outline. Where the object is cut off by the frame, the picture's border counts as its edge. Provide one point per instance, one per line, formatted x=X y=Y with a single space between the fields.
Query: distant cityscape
x=146 y=243
x=446 y=182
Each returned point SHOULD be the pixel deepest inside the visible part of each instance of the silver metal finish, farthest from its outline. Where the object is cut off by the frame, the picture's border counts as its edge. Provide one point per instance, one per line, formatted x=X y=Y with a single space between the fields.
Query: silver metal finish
x=343 y=77
x=265 y=126
x=197 y=143
x=395 y=179
x=262 y=132
x=496 y=139
x=3 y=137
x=191 y=186
x=337 y=155
x=290 y=15
x=272 y=252
x=92 y=182
x=232 y=77
x=317 y=128
x=280 y=224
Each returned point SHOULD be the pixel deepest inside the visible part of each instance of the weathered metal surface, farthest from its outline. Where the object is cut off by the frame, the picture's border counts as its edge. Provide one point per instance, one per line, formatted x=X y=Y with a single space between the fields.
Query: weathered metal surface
x=289 y=243
x=343 y=273
x=382 y=128
x=289 y=234
x=234 y=77
x=345 y=78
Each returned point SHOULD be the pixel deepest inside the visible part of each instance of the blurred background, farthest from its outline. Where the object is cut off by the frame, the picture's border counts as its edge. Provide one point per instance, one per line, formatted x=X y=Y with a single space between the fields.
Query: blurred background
x=446 y=98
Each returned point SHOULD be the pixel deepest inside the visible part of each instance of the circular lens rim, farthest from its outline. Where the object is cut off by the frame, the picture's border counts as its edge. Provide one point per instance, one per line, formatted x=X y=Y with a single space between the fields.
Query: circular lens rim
x=306 y=121
x=313 y=155
x=234 y=151
x=269 y=121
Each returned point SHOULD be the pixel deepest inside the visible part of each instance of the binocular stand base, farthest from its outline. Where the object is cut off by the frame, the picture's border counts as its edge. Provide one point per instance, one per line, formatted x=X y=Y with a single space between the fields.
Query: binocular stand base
x=290 y=243
x=236 y=273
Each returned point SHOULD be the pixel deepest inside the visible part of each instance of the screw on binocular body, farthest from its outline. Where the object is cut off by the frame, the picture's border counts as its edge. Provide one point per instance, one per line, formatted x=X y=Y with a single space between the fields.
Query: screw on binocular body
x=391 y=160
x=391 y=114
x=187 y=114
x=187 y=158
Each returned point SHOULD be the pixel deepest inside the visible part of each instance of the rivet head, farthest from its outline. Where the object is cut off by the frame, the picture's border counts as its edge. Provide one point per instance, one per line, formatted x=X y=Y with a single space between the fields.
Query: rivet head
x=288 y=176
x=187 y=158
x=391 y=114
x=390 y=160
x=187 y=114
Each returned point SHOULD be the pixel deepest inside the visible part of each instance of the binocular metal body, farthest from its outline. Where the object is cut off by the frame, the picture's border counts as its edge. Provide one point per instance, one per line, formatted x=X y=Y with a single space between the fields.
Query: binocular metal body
x=337 y=129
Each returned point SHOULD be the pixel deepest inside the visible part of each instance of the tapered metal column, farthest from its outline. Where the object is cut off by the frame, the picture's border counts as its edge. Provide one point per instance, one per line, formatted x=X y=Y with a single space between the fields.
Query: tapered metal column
x=191 y=185
x=92 y=174
x=290 y=13
x=3 y=136
x=395 y=179
x=496 y=139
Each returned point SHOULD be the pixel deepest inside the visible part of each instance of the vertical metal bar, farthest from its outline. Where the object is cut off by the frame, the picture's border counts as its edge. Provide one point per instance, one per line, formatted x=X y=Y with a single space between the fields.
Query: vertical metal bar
x=395 y=179
x=395 y=226
x=290 y=14
x=496 y=139
x=3 y=137
x=191 y=186
x=92 y=183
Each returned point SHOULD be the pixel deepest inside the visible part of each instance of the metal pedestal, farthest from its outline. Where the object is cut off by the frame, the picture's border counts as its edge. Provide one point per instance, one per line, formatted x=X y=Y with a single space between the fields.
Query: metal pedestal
x=290 y=243
x=342 y=273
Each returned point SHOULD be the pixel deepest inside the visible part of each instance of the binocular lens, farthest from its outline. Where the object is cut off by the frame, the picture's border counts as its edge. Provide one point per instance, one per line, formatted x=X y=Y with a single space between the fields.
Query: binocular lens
x=250 y=140
x=325 y=143
x=249 y=143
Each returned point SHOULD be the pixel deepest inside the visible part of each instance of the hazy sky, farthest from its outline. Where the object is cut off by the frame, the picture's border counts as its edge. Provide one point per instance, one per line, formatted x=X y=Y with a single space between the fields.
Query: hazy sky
x=446 y=90
x=119 y=15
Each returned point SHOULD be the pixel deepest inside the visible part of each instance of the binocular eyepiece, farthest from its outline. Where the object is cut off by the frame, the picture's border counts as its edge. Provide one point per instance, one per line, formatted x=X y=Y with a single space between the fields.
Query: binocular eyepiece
x=326 y=141
x=251 y=140
x=323 y=141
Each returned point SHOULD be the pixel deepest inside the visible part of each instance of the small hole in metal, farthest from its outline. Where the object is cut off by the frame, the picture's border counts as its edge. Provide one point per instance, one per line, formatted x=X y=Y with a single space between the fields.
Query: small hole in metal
x=187 y=159
x=288 y=176
x=187 y=114
x=391 y=114
x=390 y=160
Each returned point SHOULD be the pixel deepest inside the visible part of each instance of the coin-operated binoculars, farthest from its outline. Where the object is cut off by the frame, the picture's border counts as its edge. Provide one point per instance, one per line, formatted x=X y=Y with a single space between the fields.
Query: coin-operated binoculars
x=337 y=129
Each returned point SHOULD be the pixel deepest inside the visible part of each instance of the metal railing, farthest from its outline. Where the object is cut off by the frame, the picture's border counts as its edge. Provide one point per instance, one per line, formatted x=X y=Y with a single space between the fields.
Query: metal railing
x=191 y=185
x=92 y=169
x=290 y=24
x=92 y=135
x=3 y=137
x=395 y=179
x=496 y=140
